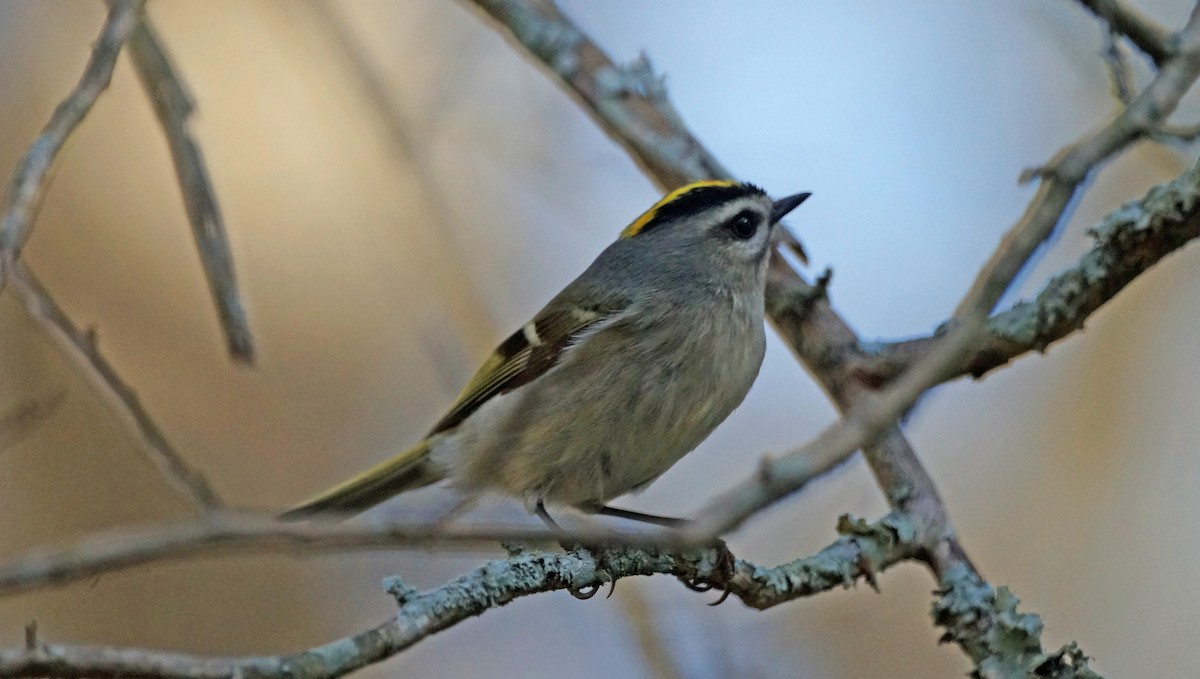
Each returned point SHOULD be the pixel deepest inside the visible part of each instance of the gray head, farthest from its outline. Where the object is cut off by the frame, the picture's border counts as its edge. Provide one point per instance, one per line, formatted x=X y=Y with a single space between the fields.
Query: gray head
x=716 y=231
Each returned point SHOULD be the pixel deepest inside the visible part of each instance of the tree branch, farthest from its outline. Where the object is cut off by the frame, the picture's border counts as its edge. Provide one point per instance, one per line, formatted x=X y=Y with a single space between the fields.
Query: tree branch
x=1119 y=73
x=863 y=550
x=23 y=197
x=173 y=106
x=1128 y=243
x=22 y=202
x=1002 y=642
x=79 y=346
x=241 y=533
x=630 y=104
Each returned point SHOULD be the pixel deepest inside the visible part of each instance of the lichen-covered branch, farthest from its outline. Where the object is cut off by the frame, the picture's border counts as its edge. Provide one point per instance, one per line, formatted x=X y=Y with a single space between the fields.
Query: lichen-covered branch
x=23 y=196
x=79 y=346
x=173 y=107
x=862 y=551
x=1002 y=642
x=1128 y=242
x=237 y=533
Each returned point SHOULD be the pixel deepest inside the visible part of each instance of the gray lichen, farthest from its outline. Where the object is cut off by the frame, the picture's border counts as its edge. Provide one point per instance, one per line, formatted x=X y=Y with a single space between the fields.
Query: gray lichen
x=1003 y=642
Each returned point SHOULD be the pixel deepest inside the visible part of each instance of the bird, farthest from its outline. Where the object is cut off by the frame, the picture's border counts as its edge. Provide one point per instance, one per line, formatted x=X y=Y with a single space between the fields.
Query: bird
x=629 y=368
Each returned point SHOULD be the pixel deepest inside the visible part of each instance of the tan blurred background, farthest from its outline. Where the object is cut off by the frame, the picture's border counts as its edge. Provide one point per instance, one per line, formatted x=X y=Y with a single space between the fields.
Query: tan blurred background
x=382 y=250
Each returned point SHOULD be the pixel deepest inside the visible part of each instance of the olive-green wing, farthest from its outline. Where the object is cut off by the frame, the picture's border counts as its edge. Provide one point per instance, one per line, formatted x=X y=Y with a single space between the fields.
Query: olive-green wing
x=526 y=354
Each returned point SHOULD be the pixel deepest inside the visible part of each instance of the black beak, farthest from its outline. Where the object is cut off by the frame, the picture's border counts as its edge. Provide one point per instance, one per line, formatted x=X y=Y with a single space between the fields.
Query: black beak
x=786 y=205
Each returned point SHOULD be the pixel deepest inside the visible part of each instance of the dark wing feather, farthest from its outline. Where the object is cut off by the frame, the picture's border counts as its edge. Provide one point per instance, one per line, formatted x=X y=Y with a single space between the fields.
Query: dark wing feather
x=528 y=353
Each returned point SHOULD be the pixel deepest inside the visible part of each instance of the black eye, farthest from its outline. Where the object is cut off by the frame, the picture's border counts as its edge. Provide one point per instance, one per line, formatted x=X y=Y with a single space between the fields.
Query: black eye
x=744 y=225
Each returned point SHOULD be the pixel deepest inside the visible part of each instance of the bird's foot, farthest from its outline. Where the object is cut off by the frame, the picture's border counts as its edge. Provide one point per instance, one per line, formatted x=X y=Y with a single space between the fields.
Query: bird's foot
x=719 y=577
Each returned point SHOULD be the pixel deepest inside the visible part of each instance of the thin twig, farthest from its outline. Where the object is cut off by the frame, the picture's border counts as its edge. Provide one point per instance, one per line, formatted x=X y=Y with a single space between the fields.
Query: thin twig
x=173 y=106
x=79 y=346
x=22 y=202
x=975 y=616
x=23 y=196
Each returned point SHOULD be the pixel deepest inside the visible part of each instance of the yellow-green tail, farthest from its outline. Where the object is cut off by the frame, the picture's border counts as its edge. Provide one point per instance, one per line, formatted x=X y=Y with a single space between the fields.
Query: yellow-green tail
x=407 y=471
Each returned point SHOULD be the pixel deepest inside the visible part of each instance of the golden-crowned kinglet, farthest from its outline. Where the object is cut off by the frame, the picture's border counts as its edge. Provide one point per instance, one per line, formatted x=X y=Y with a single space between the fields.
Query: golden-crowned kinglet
x=624 y=372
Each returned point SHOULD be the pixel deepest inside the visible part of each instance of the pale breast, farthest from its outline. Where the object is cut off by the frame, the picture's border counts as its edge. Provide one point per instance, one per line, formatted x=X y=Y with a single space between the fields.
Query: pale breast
x=623 y=406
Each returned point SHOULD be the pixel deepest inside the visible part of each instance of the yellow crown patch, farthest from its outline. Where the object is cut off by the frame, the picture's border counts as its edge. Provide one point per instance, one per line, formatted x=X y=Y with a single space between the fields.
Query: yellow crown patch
x=640 y=223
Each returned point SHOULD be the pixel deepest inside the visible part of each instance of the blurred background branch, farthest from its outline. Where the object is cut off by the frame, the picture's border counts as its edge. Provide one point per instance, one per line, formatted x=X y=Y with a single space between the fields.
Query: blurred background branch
x=31 y=176
x=81 y=347
x=173 y=106
x=22 y=201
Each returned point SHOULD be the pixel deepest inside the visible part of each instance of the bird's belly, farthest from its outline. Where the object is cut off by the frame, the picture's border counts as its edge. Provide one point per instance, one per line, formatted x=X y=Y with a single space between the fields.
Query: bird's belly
x=581 y=436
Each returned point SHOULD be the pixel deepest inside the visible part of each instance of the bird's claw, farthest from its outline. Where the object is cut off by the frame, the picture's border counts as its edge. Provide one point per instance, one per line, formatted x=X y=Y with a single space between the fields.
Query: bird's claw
x=719 y=578
x=586 y=592
x=600 y=554
x=697 y=584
